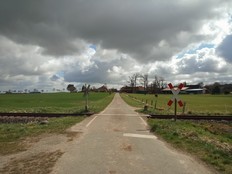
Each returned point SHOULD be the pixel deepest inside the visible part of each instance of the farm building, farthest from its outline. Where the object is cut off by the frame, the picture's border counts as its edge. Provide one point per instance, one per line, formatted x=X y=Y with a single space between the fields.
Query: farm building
x=188 y=89
x=102 y=89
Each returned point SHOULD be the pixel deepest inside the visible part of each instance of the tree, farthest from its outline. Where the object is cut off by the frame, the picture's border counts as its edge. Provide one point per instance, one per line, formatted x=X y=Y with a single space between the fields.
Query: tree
x=157 y=84
x=71 y=88
x=227 y=88
x=161 y=79
x=216 y=88
x=144 y=81
x=133 y=80
x=201 y=84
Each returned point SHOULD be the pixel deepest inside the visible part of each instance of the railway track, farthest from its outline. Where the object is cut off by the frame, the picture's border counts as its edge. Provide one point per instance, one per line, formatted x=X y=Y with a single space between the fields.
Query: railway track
x=22 y=116
x=33 y=117
x=49 y=115
x=192 y=117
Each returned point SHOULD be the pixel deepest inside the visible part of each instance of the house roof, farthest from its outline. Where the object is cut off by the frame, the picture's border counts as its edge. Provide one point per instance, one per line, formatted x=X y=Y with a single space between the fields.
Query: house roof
x=194 y=90
x=103 y=88
x=168 y=89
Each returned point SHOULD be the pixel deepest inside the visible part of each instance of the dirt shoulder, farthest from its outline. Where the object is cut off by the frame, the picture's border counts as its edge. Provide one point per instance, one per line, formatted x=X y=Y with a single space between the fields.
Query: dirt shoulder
x=40 y=156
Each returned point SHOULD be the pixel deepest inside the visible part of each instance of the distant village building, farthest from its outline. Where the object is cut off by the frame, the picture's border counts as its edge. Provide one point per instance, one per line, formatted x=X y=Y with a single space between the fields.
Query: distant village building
x=128 y=89
x=102 y=89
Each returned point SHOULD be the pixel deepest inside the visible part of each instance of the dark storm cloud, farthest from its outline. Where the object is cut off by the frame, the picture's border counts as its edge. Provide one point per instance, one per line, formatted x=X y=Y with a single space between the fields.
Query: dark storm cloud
x=54 y=77
x=37 y=23
x=225 y=49
x=92 y=75
x=146 y=30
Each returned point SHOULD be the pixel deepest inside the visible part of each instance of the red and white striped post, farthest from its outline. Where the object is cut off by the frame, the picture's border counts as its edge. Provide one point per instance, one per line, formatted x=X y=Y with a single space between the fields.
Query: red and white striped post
x=175 y=98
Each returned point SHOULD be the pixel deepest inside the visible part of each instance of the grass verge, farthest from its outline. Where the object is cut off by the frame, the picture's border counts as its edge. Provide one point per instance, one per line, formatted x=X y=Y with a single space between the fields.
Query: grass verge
x=209 y=141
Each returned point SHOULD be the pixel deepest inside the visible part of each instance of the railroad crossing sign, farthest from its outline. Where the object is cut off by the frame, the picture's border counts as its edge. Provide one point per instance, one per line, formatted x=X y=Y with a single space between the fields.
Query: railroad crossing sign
x=175 y=98
x=175 y=92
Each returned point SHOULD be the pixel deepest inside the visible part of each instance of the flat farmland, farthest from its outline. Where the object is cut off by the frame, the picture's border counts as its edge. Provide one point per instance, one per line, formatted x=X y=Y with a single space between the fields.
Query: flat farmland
x=53 y=102
x=15 y=136
x=206 y=104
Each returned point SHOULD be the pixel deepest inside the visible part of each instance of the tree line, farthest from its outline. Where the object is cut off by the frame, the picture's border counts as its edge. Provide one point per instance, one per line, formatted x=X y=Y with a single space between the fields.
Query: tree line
x=219 y=88
x=158 y=84
x=155 y=86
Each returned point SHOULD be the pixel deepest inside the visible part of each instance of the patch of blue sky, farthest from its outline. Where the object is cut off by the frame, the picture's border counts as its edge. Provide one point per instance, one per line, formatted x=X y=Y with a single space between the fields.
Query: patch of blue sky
x=93 y=46
x=194 y=50
x=60 y=73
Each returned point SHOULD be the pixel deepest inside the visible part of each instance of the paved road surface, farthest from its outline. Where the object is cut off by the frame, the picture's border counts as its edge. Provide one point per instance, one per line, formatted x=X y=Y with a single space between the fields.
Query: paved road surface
x=117 y=141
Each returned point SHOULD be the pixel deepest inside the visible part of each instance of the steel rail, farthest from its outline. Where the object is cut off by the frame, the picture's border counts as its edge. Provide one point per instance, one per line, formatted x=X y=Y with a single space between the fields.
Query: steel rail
x=192 y=117
x=43 y=114
x=184 y=117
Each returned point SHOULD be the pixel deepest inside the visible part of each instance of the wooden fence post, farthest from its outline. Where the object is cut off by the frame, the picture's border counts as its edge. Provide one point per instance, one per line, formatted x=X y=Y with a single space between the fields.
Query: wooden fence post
x=183 y=111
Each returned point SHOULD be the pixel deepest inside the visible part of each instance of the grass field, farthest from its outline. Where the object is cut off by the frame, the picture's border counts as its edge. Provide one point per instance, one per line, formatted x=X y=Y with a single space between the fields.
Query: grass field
x=195 y=104
x=209 y=141
x=53 y=102
x=12 y=136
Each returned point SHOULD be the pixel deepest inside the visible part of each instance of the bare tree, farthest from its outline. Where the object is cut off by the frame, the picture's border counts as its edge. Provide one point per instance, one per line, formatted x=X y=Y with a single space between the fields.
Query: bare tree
x=161 y=79
x=157 y=84
x=133 y=80
x=144 y=81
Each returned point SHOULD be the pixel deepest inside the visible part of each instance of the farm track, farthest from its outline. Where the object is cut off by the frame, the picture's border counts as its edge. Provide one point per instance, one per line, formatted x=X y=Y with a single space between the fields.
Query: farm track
x=192 y=117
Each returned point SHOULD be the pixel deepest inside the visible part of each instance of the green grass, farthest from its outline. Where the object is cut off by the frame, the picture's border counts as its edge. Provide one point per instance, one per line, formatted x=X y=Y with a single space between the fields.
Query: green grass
x=12 y=136
x=209 y=141
x=195 y=104
x=53 y=102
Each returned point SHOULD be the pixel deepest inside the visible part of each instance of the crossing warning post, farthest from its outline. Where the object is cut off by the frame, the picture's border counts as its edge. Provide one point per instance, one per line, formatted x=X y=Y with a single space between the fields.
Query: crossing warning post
x=175 y=97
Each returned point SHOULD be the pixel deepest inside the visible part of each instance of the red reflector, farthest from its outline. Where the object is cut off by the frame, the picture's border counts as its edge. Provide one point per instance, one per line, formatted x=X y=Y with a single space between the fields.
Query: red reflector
x=170 y=102
x=170 y=85
x=181 y=86
x=180 y=103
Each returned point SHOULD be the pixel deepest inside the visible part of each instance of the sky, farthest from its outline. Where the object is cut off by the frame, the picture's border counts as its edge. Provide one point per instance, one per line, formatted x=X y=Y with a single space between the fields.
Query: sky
x=49 y=44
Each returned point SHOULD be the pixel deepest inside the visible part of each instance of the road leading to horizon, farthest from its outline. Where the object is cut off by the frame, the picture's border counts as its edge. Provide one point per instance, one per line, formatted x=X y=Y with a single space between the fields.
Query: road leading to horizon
x=118 y=141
